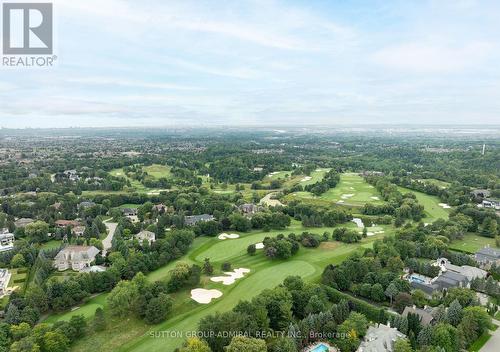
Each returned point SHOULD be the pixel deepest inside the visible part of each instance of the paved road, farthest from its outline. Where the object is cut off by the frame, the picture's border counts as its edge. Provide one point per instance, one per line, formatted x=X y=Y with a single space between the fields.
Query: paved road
x=106 y=243
x=492 y=345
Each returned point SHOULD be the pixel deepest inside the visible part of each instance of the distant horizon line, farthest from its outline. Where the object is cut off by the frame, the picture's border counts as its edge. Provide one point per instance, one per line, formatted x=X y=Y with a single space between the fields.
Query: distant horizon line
x=277 y=126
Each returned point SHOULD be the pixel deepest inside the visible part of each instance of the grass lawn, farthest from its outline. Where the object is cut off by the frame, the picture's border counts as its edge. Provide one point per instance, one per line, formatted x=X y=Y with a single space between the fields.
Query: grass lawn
x=129 y=205
x=52 y=244
x=158 y=171
x=479 y=343
x=18 y=278
x=433 y=181
x=87 y=309
x=316 y=176
x=431 y=205
x=265 y=273
x=352 y=190
x=277 y=175
x=472 y=242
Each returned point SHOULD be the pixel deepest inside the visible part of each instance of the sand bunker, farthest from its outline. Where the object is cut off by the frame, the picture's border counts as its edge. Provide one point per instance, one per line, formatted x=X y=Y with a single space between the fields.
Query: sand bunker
x=225 y=236
x=231 y=276
x=346 y=196
x=274 y=173
x=259 y=245
x=358 y=222
x=307 y=178
x=444 y=205
x=203 y=296
x=375 y=198
x=340 y=202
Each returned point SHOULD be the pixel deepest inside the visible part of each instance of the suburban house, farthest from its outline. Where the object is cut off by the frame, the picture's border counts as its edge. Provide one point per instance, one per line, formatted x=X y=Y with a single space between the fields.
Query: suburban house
x=194 y=219
x=67 y=223
x=450 y=276
x=249 y=208
x=480 y=194
x=470 y=272
x=4 y=281
x=146 y=235
x=425 y=314
x=129 y=211
x=491 y=203
x=162 y=208
x=380 y=338
x=78 y=231
x=6 y=241
x=487 y=256
x=72 y=175
x=75 y=257
x=23 y=222
x=85 y=205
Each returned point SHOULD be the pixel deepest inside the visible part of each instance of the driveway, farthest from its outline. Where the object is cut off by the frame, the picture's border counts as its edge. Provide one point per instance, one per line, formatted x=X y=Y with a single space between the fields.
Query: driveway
x=106 y=243
x=492 y=344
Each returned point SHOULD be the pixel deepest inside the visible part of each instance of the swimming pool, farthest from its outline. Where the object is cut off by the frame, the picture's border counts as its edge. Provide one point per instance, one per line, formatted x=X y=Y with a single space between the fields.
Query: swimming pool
x=320 y=348
x=416 y=279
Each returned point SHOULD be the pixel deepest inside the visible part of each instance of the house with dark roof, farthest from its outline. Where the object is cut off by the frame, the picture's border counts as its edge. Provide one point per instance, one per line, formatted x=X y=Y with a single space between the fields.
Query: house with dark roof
x=129 y=211
x=425 y=314
x=194 y=219
x=480 y=194
x=487 y=256
x=470 y=272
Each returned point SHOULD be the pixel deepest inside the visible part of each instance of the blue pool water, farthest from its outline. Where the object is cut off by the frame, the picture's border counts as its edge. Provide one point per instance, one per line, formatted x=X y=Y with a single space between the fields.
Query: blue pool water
x=320 y=348
x=417 y=279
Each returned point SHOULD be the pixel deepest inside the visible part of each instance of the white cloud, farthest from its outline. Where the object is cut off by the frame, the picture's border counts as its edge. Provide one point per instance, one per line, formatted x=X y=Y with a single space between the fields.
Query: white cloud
x=423 y=57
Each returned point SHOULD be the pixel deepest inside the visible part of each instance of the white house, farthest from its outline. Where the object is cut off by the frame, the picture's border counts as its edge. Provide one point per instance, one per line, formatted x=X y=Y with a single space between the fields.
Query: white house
x=75 y=257
x=6 y=242
x=4 y=281
x=146 y=235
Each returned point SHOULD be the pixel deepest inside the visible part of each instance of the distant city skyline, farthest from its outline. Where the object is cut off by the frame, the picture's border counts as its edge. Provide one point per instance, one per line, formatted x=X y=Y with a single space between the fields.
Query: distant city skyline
x=262 y=63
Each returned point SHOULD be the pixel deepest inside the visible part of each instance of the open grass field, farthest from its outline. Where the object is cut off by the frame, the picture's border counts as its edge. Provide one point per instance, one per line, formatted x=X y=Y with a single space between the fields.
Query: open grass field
x=265 y=273
x=431 y=205
x=52 y=244
x=158 y=171
x=316 y=176
x=87 y=310
x=352 y=190
x=433 y=181
x=472 y=242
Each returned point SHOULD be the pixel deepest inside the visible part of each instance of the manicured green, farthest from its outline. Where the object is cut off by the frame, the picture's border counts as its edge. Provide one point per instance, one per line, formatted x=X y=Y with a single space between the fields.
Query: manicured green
x=87 y=310
x=433 y=181
x=352 y=190
x=158 y=171
x=472 y=242
x=431 y=205
x=265 y=273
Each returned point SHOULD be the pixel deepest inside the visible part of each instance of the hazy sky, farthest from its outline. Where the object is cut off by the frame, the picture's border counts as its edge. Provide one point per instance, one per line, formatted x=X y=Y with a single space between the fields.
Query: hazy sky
x=129 y=63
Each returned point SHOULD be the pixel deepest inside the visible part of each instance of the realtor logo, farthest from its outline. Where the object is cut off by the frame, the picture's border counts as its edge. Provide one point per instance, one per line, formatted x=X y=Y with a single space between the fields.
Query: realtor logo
x=27 y=28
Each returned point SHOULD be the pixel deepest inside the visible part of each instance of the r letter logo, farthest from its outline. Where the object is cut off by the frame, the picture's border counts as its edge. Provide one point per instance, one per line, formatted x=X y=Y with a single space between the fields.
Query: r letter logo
x=27 y=29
